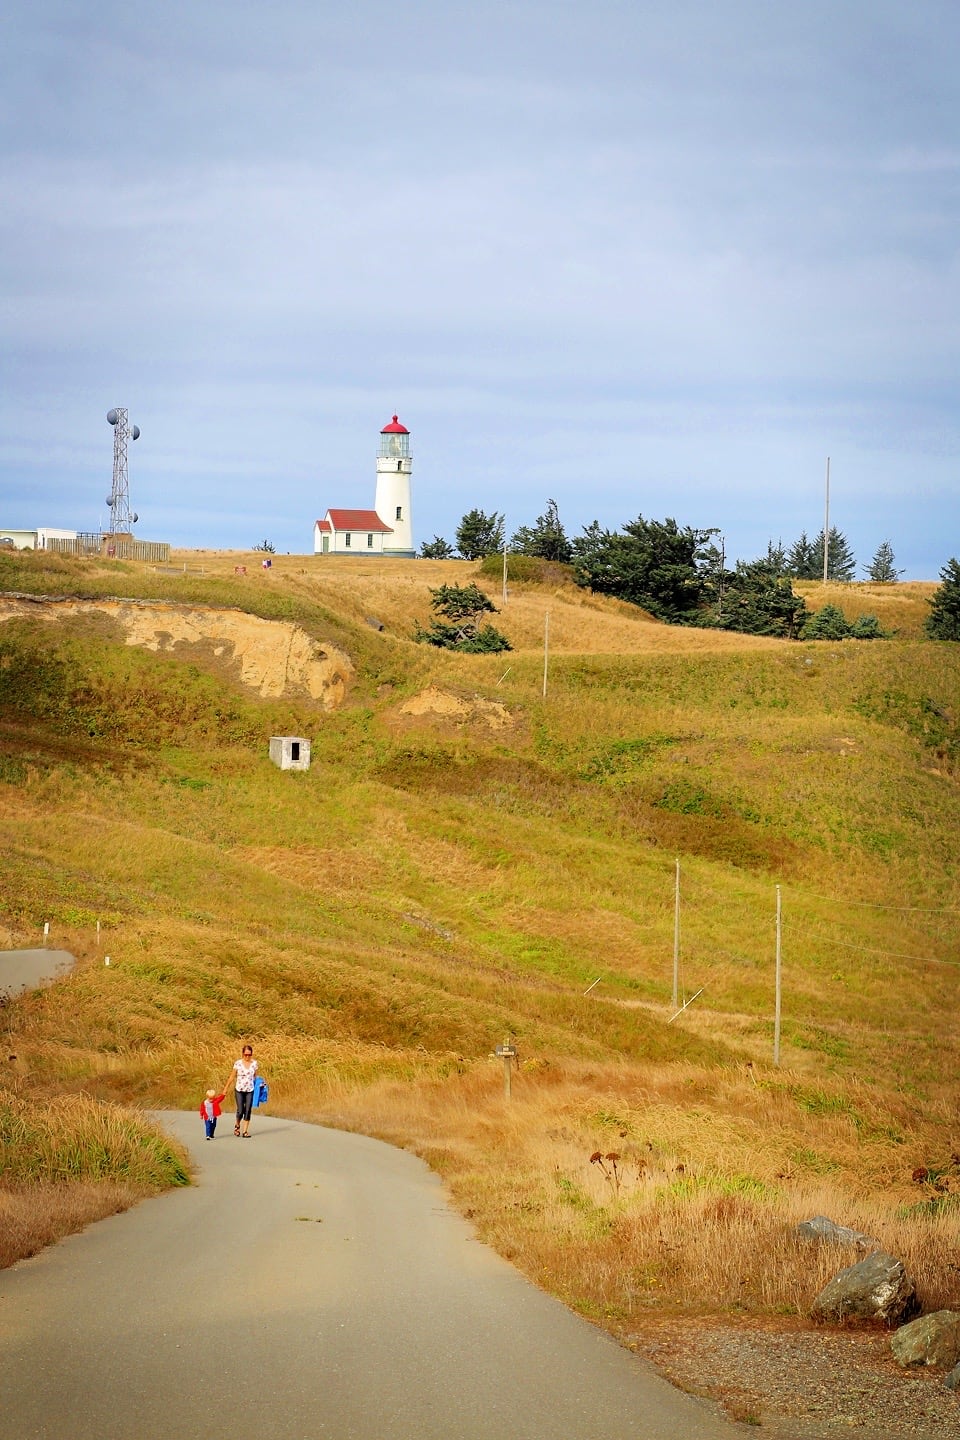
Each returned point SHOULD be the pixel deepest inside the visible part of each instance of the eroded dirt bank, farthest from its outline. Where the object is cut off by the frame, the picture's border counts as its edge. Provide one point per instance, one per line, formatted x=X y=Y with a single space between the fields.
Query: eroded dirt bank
x=272 y=657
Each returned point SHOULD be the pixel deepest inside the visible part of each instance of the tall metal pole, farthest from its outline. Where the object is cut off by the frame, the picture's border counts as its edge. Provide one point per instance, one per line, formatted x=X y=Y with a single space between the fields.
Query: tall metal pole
x=826 y=527
x=676 y=937
x=776 y=1011
x=723 y=562
x=504 y=572
x=546 y=650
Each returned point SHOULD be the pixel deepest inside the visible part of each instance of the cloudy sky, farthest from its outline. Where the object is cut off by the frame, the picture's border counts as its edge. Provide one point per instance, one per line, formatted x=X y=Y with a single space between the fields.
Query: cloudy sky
x=643 y=258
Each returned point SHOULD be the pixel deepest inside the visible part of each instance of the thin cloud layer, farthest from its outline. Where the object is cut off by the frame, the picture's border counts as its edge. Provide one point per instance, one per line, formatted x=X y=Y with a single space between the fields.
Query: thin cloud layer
x=636 y=261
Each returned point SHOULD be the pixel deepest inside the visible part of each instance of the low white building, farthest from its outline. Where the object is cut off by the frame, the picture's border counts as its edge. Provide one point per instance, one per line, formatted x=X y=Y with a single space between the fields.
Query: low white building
x=36 y=539
x=350 y=532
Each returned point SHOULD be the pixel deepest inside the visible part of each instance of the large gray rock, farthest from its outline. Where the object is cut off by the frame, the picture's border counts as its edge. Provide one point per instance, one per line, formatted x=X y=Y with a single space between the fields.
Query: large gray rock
x=877 y=1288
x=820 y=1228
x=952 y=1381
x=931 y=1340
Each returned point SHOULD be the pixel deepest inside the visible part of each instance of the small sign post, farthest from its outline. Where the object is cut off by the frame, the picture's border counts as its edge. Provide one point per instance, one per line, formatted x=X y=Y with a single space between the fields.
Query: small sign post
x=508 y=1052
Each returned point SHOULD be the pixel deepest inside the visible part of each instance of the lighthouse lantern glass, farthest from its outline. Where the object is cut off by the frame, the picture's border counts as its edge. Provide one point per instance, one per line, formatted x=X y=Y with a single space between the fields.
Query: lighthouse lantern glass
x=394 y=447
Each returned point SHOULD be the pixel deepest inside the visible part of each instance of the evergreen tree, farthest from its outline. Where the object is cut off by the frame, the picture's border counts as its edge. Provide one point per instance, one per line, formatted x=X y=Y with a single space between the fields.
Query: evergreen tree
x=867 y=627
x=801 y=559
x=943 y=622
x=436 y=549
x=456 y=625
x=776 y=558
x=546 y=540
x=827 y=623
x=841 y=562
x=479 y=534
x=881 y=568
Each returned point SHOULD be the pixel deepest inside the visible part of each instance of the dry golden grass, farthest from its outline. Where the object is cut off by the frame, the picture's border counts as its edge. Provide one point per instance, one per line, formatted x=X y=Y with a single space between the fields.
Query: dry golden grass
x=681 y=1188
x=397 y=593
x=39 y=1215
x=901 y=607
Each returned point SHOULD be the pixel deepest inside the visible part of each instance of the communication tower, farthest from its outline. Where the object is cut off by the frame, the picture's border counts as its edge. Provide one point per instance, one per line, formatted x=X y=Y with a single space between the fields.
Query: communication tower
x=122 y=520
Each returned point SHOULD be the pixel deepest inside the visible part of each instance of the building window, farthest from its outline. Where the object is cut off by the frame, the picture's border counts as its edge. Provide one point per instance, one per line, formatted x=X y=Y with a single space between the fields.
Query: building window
x=369 y=542
x=348 y=540
x=399 y=512
x=399 y=464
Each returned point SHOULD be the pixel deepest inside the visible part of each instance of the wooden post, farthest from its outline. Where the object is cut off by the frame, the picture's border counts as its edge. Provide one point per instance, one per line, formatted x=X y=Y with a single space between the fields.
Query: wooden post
x=776 y=1013
x=508 y=1053
x=546 y=650
x=676 y=937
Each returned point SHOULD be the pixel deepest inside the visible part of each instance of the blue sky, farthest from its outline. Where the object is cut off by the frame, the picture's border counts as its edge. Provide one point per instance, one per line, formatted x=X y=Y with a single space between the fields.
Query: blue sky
x=640 y=258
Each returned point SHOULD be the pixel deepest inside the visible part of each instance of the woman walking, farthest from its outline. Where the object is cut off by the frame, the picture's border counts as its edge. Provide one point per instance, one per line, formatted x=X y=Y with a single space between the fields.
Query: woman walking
x=242 y=1078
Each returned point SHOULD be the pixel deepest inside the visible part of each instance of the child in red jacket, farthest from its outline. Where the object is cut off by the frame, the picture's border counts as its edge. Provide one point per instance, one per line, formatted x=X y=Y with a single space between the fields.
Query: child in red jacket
x=210 y=1110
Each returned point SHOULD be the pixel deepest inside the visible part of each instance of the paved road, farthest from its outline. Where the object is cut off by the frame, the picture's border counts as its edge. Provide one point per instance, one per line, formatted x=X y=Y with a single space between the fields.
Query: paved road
x=25 y=969
x=313 y=1285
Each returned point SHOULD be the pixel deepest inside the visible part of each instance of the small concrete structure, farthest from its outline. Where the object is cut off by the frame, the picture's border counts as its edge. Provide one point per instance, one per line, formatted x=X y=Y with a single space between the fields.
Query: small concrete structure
x=290 y=752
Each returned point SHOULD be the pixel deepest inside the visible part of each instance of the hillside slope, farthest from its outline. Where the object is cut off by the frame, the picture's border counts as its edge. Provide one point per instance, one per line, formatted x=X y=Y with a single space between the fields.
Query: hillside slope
x=468 y=859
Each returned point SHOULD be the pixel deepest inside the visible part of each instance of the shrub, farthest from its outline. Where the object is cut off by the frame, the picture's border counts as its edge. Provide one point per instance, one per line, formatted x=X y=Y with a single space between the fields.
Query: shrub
x=457 y=609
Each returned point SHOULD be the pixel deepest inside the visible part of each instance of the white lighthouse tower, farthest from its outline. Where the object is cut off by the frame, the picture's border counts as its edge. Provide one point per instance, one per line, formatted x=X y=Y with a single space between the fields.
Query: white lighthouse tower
x=394 y=474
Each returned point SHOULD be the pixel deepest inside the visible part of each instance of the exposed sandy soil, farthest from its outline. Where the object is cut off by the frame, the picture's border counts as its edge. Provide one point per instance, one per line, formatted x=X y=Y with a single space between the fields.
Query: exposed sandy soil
x=272 y=657
x=436 y=704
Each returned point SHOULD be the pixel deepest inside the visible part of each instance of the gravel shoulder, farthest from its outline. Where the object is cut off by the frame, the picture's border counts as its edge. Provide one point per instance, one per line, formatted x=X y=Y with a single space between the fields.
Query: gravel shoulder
x=798 y=1382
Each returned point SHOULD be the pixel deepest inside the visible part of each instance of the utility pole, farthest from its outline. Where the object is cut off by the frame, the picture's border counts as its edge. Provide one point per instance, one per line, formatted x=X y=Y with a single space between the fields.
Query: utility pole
x=826 y=527
x=723 y=566
x=504 y=570
x=546 y=650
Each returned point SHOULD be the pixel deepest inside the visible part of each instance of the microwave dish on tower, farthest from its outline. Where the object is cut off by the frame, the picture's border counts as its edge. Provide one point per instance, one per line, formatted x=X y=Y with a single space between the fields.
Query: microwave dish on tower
x=122 y=519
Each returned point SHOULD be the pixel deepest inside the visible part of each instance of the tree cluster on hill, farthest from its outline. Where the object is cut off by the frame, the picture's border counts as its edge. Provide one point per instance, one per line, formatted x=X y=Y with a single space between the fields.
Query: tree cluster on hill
x=804 y=559
x=680 y=575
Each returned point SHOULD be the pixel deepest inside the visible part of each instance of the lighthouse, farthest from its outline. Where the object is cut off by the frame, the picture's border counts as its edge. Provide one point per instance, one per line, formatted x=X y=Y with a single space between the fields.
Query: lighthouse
x=394 y=474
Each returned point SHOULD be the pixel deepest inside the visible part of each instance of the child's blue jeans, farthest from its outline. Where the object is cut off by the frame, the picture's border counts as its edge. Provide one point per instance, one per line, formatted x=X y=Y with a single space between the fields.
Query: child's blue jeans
x=210 y=1126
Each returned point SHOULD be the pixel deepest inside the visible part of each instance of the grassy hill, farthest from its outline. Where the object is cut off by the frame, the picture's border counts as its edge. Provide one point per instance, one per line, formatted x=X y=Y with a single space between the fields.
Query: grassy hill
x=466 y=857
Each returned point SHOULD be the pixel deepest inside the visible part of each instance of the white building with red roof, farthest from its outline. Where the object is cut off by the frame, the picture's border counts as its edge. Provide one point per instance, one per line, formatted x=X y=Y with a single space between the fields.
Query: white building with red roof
x=388 y=528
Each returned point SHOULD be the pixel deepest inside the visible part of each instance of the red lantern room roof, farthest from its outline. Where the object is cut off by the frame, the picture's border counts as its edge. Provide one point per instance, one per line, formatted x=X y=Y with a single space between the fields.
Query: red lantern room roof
x=394 y=428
